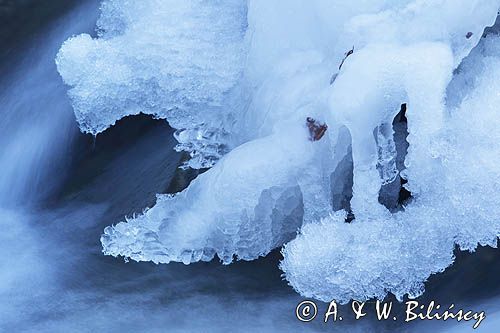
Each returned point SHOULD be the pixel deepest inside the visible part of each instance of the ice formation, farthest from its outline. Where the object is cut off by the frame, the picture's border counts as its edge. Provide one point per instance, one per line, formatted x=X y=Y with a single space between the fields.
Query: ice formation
x=239 y=79
x=172 y=59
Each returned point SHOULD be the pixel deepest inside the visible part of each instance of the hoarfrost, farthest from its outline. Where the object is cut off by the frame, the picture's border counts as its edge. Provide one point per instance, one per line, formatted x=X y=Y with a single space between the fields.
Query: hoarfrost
x=239 y=81
x=172 y=59
x=368 y=259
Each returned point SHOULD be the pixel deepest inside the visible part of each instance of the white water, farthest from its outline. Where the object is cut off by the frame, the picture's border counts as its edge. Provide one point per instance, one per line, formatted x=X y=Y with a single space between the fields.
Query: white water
x=36 y=134
x=36 y=123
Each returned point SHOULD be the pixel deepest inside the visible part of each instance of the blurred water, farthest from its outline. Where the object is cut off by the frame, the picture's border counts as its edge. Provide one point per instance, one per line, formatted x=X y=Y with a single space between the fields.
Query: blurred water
x=36 y=122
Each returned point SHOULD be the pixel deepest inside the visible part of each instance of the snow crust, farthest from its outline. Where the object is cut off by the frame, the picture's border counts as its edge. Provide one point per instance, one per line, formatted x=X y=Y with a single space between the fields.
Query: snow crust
x=238 y=79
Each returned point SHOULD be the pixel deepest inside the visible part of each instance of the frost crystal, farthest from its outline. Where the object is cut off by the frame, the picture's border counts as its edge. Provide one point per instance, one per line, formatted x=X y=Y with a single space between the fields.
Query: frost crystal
x=173 y=59
x=239 y=79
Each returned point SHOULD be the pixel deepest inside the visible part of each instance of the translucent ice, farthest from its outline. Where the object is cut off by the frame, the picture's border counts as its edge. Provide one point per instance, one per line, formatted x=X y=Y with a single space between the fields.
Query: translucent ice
x=239 y=80
x=196 y=224
x=369 y=259
x=173 y=59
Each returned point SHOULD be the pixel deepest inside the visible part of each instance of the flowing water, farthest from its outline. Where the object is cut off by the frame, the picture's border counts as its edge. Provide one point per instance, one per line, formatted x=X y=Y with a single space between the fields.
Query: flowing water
x=37 y=126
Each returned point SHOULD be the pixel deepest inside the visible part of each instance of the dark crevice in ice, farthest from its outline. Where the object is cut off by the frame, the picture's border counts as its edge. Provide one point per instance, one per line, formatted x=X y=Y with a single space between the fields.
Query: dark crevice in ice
x=394 y=195
x=494 y=29
x=182 y=176
x=342 y=180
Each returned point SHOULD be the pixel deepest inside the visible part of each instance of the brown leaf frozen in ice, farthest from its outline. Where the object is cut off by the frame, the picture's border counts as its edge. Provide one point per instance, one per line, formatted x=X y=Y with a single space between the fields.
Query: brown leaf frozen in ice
x=316 y=129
